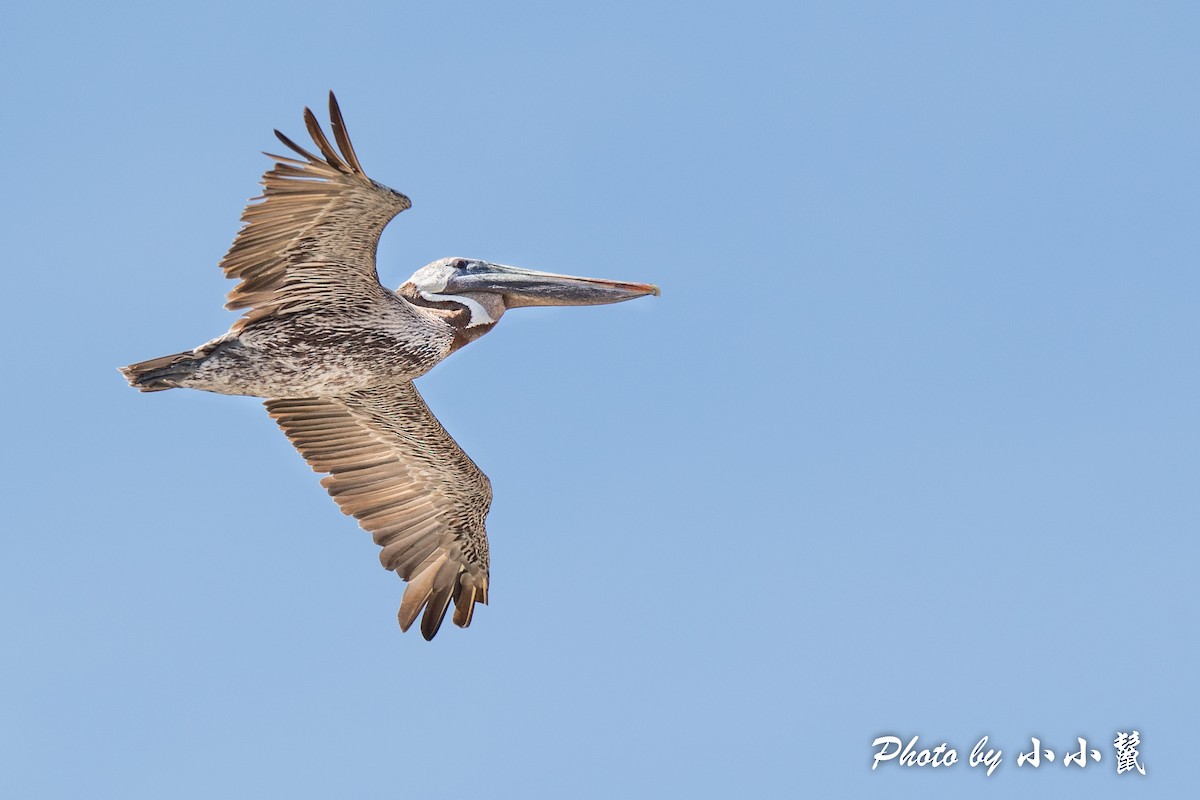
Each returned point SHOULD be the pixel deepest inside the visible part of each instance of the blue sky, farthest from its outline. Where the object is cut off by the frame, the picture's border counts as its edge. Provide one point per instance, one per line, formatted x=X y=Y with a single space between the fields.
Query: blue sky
x=907 y=446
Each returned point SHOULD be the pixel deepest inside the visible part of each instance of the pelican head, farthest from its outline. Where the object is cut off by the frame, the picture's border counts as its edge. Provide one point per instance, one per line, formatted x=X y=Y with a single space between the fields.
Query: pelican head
x=479 y=292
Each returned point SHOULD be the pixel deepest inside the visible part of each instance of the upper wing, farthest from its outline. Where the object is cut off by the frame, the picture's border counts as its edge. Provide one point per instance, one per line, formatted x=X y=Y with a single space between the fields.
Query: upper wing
x=310 y=240
x=396 y=469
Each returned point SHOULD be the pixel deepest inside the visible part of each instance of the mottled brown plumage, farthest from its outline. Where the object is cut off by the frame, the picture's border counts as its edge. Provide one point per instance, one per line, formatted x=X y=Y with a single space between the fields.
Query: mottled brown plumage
x=335 y=353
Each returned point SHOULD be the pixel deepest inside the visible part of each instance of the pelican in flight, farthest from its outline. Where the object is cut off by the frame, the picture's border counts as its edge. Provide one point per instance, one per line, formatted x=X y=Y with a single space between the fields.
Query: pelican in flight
x=334 y=354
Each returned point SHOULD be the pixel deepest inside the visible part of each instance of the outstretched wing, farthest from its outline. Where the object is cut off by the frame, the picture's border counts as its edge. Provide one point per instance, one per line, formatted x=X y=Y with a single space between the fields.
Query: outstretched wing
x=394 y=467
x=309 y=241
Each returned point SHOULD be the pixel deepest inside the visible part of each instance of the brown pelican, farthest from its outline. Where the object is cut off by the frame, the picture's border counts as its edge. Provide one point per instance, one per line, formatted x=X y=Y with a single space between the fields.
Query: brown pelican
x=334 y=353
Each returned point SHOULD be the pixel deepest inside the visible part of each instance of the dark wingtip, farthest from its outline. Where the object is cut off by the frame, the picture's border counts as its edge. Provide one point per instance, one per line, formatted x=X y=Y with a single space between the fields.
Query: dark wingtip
x=435 y=613
x=322 y=142
x=295 y=147
x=338 y=124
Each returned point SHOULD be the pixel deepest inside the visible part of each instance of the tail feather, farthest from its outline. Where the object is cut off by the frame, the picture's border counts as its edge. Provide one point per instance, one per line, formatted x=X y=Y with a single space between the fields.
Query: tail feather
x=161 y=373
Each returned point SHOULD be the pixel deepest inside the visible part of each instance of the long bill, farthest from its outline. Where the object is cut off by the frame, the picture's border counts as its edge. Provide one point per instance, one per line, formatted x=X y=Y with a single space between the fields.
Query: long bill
x=526 y=287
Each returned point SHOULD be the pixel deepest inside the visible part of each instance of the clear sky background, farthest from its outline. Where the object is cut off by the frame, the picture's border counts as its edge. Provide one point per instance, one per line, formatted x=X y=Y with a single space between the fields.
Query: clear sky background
x=907 y=446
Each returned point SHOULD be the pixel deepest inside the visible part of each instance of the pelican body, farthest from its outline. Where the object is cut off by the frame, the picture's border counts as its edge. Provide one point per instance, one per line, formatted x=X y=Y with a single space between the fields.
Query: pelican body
x=335 y=353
